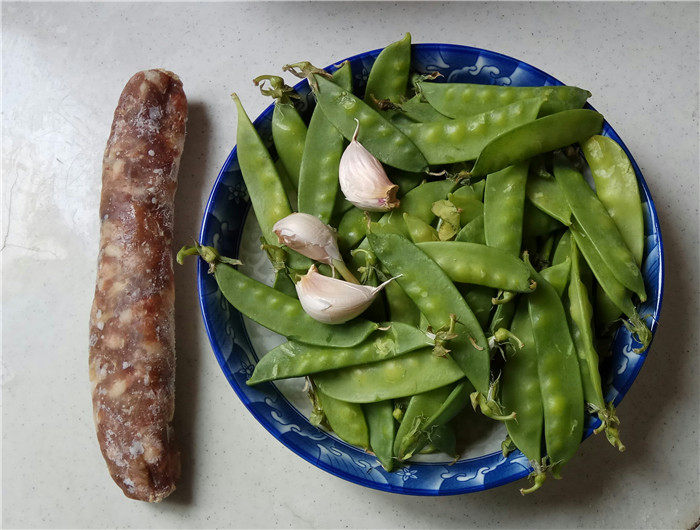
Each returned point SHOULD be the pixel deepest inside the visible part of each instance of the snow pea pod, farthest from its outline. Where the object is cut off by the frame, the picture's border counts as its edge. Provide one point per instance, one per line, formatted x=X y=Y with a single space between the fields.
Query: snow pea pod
x=420 y=111
x=378 y=135
x=288 y=129
x=388 y=78
x=606 y=312
x=539 y=136
x=617 y=292
x=469 y=206
x=503 y=316
x=353 y=227
x=558 y=372
x=346 y=419
x=466 y=99
x=380 y=421
x=417 y=202
x=448 y=141
x=294 y=359
x=409 y=374
x=262 y=181
x=475 y=190
x=284 y=284
x=547 y=196
x=473 y=231
x=480 y=265
x=520 y=392
x=598 y=226
x=419 y=230
x=504 y=204
x=580 y=314
x=400 y=306
x=536 y=222
x=276 y=311
x=563 y=248
x=425 y=414
x=617 y=188
x=439 y=300
x=480 y=301
x=318 y=176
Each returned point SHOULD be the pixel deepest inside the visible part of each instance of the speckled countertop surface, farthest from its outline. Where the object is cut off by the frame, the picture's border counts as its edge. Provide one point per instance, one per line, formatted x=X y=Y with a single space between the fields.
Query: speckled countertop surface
x=64 y=66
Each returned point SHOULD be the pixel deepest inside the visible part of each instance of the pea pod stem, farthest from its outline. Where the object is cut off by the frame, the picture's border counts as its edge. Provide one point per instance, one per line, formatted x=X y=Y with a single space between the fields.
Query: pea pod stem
x=538 y=477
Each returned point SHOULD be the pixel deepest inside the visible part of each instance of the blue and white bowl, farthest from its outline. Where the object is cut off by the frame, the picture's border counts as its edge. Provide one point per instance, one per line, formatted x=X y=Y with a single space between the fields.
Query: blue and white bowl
x=223 y=227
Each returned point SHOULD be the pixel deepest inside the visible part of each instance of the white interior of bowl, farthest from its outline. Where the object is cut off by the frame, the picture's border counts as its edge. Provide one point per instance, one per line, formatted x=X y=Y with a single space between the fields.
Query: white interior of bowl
x=480 y=437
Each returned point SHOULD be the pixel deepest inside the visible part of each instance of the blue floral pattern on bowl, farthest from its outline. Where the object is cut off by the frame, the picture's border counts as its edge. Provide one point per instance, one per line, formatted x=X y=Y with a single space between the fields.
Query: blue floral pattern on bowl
x=222 y=227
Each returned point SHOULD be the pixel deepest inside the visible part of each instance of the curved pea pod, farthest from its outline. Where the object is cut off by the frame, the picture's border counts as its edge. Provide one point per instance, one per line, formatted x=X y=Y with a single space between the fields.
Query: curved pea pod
x=346 y=419
x=288 y=129
x=558 y=372
x=379 y=136
x=419 y=230
x=558 y=276
x=617 y=292
x=417 y=202
x=598 y=226
x=539 y=136
x=382 y=430
x=520 y=392
x=353 y=227
x=425 y=414
x=504 y=204
x=294 y=359
x=547 y=196
x=444 y=308
x=580 y=321
x=318 y=175
x=536 y=222
x=473 y=231
x=388 y=78
x=409 y=374
x=466 y=99
x=276 y=311
x=617 y=188
x=480 y=265
x=262 y=181
x=448 y=141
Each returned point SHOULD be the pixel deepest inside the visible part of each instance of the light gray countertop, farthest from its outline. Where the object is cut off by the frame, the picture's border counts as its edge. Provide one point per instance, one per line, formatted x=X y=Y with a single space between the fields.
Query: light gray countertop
x=64 y=66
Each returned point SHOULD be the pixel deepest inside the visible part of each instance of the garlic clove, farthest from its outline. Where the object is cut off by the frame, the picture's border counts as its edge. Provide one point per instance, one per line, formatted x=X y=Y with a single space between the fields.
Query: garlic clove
x=309 y=236
x=331 y=300
x=363 y=180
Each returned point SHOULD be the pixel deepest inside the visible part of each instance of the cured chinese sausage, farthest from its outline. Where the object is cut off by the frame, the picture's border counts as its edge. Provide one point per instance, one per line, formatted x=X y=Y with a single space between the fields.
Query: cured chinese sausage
x=132 y=324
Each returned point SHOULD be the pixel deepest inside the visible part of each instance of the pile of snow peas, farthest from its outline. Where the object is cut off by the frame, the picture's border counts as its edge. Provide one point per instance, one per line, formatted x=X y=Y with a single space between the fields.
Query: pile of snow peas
x=511 y=273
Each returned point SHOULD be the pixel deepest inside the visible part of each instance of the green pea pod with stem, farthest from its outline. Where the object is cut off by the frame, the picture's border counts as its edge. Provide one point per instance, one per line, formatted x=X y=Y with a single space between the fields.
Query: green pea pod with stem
x=344 y=110
x=295 y=359
x=406 y=375
x=272 y=309
x=346 y=419
x=442 y=440
x=459 y=140
x=475 y=190
x=417 y=202
x=616 y=187
x=262 y=181
x=539 y=136
x=418 y=110
x=473 y=231
x=425 y=414
x=480 y=265
x=419 y=230
x=288 y=129
x=353 y=227
x=520 y=392
x=598 y=226
x=559 y=374
x=580 y=314
x=617 y=292
x=504 y=203
x=439 y=300
x=546 y=195
x=380 y=421
x=467 y=99
x=388 y=78
x=537 y=223
x=318 y=176
x=558 y=276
